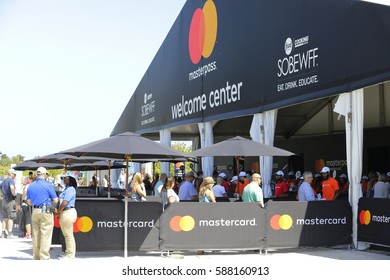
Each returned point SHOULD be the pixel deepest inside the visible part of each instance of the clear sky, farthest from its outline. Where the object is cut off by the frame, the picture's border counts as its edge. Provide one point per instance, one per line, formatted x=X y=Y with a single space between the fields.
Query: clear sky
x=68 y=68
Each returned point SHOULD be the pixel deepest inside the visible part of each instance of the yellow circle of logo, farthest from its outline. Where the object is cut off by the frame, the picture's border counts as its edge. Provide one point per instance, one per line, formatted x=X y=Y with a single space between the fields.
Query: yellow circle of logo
x=285 y=222
x=84 y=224
x=187 y=223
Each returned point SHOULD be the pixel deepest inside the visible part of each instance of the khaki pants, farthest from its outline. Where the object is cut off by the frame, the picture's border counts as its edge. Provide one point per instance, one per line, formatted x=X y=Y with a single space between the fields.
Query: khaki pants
x=67 y=220
x=42 y=231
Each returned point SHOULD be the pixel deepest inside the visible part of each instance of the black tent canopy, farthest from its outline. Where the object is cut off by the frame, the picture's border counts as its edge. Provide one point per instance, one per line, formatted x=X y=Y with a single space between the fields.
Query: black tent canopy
x=285 y=53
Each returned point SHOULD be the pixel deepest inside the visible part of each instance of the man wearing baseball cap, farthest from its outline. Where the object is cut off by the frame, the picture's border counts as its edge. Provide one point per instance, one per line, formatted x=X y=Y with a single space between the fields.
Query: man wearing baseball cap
x=41 y=195
x=242 y=183
x=330 y=186
x=281 y=187
x=224 y=182
x=187 y=190
x=9 y=194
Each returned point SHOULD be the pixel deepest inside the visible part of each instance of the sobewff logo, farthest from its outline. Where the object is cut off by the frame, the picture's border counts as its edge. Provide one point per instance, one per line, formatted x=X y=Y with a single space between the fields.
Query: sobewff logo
x=203 y=32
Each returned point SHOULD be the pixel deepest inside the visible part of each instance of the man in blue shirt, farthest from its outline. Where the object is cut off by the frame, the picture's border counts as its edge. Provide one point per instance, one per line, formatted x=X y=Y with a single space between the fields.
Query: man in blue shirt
x=41 y=195
x=9 y=194
x=305 y=192
x=187 y=190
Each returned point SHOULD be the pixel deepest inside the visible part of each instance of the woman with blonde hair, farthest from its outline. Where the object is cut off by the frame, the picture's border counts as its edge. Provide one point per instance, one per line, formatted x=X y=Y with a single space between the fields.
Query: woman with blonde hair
x=138 y=192
x=206 y=193
x=167 y=193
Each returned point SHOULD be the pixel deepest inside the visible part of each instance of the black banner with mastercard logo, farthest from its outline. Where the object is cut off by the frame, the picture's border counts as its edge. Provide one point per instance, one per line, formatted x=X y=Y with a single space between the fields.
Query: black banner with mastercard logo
x=374 y=220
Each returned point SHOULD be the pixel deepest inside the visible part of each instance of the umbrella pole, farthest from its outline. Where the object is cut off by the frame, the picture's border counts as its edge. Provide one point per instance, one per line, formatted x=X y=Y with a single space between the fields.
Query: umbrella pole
x=126 y=222
x=238 y=165
x=97 y=182
x=126 y=206
x=109 y=179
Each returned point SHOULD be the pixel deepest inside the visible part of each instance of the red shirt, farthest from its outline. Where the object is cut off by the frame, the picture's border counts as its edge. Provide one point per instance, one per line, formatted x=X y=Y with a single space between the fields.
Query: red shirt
x=329 y=188
x=364 y=187
x=225 y=184
x=240 y=186
x=281 y=188
x=292 y=183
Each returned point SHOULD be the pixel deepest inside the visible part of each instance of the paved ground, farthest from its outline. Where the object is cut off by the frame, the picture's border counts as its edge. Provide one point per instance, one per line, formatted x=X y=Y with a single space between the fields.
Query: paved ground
x=298 y=262
x=302 y=263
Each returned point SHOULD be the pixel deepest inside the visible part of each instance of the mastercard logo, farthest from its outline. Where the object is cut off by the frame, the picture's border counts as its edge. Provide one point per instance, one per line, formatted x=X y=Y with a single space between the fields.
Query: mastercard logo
x=203 y=32
x=179 y=223
x=278 y=222
x=365 y=217
x=82 y=224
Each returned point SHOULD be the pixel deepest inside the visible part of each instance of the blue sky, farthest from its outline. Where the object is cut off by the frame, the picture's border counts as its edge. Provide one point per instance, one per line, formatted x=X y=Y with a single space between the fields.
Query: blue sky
x=68 y=68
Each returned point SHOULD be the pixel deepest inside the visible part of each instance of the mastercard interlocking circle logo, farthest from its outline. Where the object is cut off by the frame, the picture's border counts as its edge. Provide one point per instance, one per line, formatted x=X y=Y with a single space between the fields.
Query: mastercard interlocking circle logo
x=179 y=223
x=365 y=217
x=278 y=222
x=203 y=32
x=82 y=224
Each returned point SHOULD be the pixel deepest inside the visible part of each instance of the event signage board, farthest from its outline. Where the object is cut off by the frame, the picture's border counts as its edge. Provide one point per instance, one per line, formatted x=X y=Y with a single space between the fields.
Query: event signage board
x=225 y=58
x=374 y=220
x=317 y=223
x=100 y=225
x=208 y=226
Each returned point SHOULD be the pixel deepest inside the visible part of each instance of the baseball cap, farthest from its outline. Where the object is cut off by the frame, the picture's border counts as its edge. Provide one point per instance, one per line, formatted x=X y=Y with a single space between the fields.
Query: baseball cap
x=69 y=174
x=364 y=177
x=317 y=175
x=41 y=170
x=242 y=174
x=12 y=171
x=325 y=169
x=222 y=175
x=343 y=176
x=280 y=173
x=235 y=178
x=290 y=173
x=208 y=181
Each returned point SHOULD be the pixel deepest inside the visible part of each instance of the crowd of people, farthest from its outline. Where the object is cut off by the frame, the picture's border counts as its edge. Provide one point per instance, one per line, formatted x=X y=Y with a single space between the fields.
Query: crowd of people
x=247 y=187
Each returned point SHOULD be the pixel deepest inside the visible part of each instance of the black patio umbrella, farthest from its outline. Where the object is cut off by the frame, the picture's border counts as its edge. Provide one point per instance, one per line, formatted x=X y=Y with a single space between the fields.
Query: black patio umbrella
x=240 y=146
x=32 y=165
x=127 y=146
x=124 y=146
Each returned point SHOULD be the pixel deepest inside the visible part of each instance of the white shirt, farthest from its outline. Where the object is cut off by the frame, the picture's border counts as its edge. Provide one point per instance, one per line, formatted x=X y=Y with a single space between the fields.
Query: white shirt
x=219 y=191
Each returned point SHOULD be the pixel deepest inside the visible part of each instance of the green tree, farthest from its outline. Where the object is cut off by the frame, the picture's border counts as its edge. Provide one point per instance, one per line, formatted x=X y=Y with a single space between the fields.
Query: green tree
x=179 y=146
x=5 y=163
